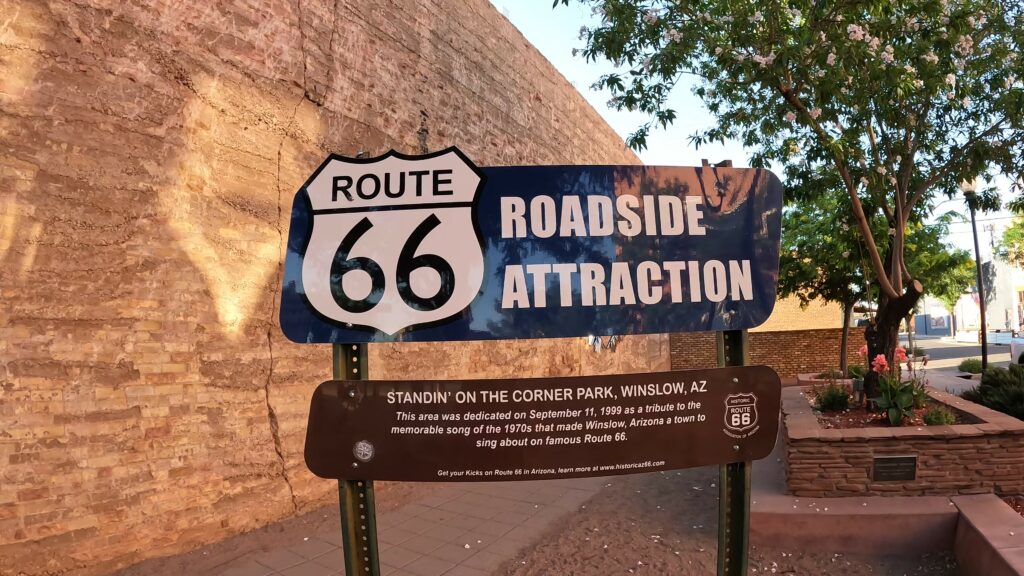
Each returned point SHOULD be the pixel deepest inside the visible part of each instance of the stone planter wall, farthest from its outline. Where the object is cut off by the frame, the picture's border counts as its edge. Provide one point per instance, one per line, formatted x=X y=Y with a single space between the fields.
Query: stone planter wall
x=984 y=457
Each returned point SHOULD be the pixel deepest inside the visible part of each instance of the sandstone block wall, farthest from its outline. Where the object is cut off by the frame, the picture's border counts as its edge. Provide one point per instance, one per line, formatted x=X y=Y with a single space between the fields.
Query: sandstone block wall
x=789 y=352
x=986 y=457
x=149 y=152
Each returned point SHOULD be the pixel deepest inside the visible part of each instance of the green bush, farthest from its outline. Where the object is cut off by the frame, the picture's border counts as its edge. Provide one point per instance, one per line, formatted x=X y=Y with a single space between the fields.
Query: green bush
x=831 y=397
x=920 y=394
x=971 y=366
x=1001 y=390
x=857 y=371
x=830 y=374
x=919 y=352
x=939 y=416
x=896 y=399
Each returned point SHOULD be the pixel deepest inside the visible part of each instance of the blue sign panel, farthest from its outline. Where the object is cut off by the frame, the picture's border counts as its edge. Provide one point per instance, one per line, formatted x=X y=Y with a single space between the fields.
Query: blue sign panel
x=432 y=248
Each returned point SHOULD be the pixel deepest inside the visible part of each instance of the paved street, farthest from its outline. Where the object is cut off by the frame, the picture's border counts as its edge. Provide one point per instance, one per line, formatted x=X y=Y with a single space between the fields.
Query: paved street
x=944 y=354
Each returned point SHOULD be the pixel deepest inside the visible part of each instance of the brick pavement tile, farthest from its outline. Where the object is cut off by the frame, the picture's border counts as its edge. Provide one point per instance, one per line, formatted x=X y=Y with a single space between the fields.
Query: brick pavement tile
x=332 y=536
x=246 y=567
x=419 y=525
x=528 y=508
x=439 y=515
x=453 y=552
x=423 y=544
x=398 y=556
x=429 y=566
x=484 y=560
x=492 y=528
x=506 y=548
x=279 y=559
x=465 y=522
x=439 y=497
x=394 y=518
x=308 y=568
x=484 y=512
x=312 y=548
x=395 y=535
x=466 y=571
x=448 y=533
x=335 y=559
x=512 y=517
x=414 y=509
x=495 y=502
x=522 y=533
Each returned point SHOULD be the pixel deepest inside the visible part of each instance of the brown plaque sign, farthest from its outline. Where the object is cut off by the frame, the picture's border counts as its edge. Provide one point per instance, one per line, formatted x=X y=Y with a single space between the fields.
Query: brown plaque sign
x=540 y=428
x=901 y=468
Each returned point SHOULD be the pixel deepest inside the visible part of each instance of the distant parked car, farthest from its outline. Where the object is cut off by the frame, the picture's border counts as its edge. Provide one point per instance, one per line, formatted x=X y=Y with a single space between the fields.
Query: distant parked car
x=1017 y=348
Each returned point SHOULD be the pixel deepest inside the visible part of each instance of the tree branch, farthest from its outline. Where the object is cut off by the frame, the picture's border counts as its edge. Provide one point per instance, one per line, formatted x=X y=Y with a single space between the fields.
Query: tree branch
x=858 y=208
x=943 y=170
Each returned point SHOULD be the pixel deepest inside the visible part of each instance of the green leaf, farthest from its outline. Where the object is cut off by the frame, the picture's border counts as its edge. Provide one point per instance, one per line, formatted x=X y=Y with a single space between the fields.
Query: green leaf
x=895 y=416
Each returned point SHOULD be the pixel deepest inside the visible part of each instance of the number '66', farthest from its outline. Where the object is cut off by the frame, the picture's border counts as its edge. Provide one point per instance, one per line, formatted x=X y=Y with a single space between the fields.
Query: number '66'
x=408 y=261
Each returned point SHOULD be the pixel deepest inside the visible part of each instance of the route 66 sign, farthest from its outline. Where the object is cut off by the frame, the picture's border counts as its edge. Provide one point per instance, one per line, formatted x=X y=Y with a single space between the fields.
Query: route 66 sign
x=358 y=271
x=432 y=248
x=740 y=415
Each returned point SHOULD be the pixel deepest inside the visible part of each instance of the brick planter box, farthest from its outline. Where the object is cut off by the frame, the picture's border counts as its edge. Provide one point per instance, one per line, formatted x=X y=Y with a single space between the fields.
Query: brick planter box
x=982 y=457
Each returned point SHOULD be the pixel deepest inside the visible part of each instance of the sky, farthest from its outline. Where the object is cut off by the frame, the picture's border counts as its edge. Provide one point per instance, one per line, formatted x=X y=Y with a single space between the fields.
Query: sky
x=554 y=33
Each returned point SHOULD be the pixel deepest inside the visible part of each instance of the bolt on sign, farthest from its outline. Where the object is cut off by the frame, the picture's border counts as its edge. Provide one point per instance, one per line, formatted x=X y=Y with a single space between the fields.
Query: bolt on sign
x=432 y=248
x=541 y=428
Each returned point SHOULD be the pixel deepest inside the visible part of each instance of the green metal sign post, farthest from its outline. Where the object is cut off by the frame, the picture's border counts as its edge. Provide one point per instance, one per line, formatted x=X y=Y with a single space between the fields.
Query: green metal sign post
x=734 y=479
x=355 y=497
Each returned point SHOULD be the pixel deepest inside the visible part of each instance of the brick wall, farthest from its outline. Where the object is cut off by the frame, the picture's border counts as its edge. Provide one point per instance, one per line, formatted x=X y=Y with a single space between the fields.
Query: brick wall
x=790 y=314
x=150 y=152
x=788 y=352
x=979 y=458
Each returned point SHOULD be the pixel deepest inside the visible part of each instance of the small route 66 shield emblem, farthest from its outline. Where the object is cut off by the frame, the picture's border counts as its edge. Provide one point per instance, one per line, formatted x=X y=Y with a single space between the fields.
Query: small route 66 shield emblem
x=740 y=415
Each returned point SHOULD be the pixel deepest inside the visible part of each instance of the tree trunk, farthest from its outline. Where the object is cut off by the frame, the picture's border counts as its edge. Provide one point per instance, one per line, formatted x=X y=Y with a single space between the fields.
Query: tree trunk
x=952 y=328
x=844 y=341
x=883 y=332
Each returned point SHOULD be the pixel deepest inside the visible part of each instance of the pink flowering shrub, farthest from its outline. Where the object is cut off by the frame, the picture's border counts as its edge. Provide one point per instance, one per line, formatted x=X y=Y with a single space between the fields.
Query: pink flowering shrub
x=880 y=364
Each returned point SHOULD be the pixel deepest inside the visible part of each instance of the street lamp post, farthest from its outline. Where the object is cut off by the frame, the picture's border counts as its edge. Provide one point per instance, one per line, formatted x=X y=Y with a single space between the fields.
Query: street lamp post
x=970 y=190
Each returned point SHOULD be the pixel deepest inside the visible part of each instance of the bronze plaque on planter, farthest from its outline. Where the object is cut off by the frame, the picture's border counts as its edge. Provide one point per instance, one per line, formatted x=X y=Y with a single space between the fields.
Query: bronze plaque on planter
x=541 y=428
x=900 y=468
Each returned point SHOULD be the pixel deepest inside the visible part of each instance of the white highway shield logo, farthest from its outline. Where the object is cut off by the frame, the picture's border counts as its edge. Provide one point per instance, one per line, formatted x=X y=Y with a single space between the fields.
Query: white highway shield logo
x=740 y=414
x=394 y=242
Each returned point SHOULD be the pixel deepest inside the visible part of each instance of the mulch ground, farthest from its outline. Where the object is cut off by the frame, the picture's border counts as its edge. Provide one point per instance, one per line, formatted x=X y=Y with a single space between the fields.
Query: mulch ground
x=666 y=523
x=1015 y=502
x=858 y=417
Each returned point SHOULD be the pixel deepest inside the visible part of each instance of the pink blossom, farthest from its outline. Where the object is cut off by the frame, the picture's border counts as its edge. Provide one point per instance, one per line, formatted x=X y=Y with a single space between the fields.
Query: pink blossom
x=900 y=354
x=880 y=364
x=790 y=117
x=815 y=113
x=863 y=351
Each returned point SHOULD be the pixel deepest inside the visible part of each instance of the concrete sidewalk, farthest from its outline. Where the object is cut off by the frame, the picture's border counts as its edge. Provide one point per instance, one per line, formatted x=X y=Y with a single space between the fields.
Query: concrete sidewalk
x=465 y=529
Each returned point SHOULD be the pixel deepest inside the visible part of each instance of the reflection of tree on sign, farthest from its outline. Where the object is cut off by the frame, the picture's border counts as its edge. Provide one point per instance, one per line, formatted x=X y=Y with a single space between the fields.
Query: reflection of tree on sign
x=723 y=188
x=736 y=222
x=516 y=251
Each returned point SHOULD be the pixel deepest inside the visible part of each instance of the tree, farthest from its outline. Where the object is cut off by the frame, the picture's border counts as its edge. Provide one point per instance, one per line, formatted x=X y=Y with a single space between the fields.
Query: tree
x=902 y=99
x=950 y=287
x=820 y=259
x=1011 y=245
